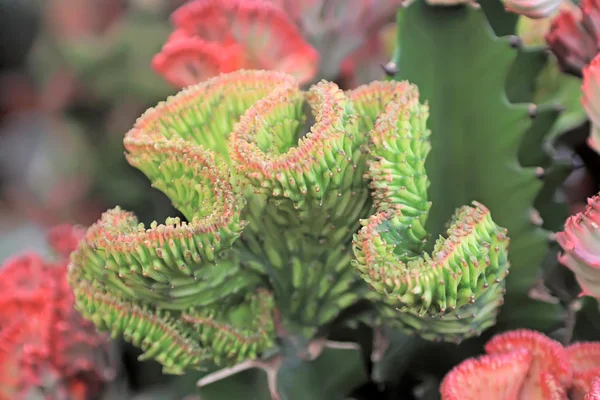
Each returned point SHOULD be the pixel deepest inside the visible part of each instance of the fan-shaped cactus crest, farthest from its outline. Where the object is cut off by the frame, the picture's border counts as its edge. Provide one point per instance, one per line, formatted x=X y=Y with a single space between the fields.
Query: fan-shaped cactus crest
x=274 y=183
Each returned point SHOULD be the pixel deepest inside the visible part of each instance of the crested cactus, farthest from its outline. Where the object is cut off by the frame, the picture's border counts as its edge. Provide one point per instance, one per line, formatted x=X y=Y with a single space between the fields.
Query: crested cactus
x=526 y=364
x=47 y=348
x=315 y=220
x=273 y=222
x=580 y=249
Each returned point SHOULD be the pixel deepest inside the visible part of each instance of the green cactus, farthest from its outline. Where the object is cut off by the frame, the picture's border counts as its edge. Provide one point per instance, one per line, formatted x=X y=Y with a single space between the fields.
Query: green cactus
x=264 y=260
x=485 y=147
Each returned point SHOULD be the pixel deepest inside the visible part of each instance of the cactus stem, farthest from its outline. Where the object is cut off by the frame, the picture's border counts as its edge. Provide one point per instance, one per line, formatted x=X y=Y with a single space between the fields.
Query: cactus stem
x=270 y=366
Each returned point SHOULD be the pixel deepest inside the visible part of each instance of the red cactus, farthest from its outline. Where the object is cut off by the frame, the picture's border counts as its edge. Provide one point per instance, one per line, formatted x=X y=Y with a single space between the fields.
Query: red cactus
x=549 y=356
x=493 y=377
x=585 y=359
x=579 y=241
x=218 y=36
x=527 y=365
x=574 y=36
x=591 y=99
x=44 y=341
x=594 y=393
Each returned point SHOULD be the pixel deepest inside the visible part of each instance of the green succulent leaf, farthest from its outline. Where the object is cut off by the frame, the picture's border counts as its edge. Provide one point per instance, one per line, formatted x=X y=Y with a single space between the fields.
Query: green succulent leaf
x=332 y=376
x=462 y=68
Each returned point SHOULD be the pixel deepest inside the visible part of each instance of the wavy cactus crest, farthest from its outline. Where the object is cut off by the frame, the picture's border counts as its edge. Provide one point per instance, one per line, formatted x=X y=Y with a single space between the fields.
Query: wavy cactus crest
x=454 y=293
x=273 y=183
x=579 y=240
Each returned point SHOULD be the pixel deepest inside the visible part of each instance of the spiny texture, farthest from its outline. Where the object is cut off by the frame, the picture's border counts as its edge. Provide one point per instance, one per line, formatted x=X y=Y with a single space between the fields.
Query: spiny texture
x=580 y=243
x=455 y=291
x=495 y=164
x=273 y=183
x=46 y=346
x=526 y=365
x=585 y=359
x=594 y=393
x=219 y=36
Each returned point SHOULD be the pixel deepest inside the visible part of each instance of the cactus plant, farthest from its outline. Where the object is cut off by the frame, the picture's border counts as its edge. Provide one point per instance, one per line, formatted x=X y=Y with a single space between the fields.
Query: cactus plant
x=265 y=254
x=578 y=240
x=504 y=173
x=47 y=348
x=309 y=220
x=525 y=364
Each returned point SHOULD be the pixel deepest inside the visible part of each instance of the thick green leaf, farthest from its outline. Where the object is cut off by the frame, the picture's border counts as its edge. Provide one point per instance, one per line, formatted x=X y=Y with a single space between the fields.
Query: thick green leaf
x=332 y=376
x=461 y=69
x=557 y=88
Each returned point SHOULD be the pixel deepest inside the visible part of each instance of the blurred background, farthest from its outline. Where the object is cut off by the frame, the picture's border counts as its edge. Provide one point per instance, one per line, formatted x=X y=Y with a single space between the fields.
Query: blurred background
x=75 y=75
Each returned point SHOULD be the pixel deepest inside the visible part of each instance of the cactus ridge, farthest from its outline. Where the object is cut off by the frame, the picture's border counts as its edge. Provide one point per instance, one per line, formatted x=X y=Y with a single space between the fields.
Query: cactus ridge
x=206 y=113
x=161 y=336
x=389 y=248
x=274 y=183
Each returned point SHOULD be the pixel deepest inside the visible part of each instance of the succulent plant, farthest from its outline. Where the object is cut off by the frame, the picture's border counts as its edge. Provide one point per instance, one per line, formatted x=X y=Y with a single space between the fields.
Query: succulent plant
x=307 y=39
x=219 y=36
x=573 y=36
x=526 y=364
x=47 y=347
x=265 y=253
x=526 y=175
x=590 y=99
x=594 y=393
x=581 y=252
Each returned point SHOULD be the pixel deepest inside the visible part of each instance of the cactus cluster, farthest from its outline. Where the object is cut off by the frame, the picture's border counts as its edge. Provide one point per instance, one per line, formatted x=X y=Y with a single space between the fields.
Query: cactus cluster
x=47 y=348
x=526 y=364
x=273 y=184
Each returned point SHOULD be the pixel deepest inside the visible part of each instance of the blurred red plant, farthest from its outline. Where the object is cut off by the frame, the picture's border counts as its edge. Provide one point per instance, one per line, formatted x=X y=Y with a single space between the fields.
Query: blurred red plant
x=526 y=365
x=574 y=35
x=45 y=345
x=308 y=39
x=581 y=254
x=217 y=36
